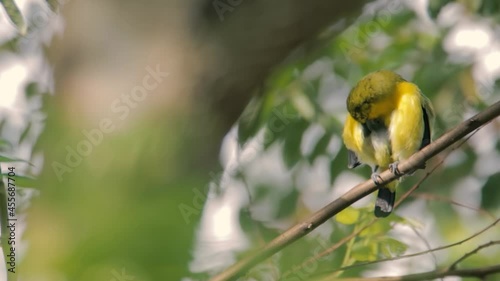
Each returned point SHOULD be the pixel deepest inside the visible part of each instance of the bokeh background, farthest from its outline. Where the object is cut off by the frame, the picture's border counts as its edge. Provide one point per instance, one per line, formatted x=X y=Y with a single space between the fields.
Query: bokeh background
x=165 y=140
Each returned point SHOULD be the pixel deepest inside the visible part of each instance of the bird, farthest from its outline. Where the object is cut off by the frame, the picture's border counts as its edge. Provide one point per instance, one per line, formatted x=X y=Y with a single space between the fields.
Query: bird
x=388 y=120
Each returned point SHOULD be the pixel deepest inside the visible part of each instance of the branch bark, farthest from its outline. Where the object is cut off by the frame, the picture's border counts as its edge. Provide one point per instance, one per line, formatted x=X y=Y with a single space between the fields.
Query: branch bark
x=358 y=192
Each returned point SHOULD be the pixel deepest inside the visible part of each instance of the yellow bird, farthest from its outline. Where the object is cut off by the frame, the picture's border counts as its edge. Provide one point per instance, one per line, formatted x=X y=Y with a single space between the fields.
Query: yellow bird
x=389 y=119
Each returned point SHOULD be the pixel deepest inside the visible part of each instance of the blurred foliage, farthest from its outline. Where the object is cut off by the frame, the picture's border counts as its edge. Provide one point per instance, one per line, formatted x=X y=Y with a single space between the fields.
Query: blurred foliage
x=312 y=93
x=15 y=15
x=298 y=98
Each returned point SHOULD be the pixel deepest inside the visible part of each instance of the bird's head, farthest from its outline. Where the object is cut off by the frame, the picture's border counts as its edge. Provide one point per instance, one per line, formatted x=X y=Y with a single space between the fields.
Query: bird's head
x=371 y=89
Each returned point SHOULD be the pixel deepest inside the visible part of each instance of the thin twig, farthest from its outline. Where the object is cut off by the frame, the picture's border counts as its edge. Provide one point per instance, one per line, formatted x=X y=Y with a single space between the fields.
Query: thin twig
x=427 y=244
x=356 y=193
x=479 y=273
x=420 y=253
x=434 y=197
x=479 y=248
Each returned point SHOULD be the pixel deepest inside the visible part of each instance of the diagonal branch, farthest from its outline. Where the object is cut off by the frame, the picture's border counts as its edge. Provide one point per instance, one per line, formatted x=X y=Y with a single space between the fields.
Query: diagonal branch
x=400 y=200
x=479 y=248
x=358 y=192
x=358 y=231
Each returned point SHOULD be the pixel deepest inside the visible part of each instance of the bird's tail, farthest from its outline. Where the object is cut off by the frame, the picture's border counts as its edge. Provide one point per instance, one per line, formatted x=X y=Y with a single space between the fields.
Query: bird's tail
x=385 y=200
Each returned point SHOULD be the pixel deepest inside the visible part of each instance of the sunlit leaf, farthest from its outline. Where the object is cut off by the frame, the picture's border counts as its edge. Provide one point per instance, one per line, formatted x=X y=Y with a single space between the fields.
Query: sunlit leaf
x=348 y=216
x=390 y=247
x=303 y=105
x=379 y=227
x=364 y=252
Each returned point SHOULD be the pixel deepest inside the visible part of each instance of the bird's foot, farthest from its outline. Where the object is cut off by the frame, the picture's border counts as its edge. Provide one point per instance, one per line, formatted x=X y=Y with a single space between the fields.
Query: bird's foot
x=376 y=178
x=394 y=168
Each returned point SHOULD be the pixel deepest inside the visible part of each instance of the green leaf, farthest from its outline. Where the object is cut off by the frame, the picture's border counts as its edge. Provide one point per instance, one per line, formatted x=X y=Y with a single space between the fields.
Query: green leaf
x=5 y=145
x=364 y=251
x=378 y=228
x=31 y=90
x=249 y=122
x=53 y=5
x=22 y=181
x=7 y=159
x=291 y=149
x=348 y=216
x=390 y=247
x=303 y=105
x=435 y=6
x=293 y=138
x=280 y=121
x=338 y=164
x=320 y=147
x=490 y=7
x=14 y=15
x=489 y=193
x=288 y=204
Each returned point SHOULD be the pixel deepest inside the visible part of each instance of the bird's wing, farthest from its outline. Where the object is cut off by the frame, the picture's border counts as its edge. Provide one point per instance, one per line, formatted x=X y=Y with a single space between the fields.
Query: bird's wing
x=426 y=139
x=407 y=128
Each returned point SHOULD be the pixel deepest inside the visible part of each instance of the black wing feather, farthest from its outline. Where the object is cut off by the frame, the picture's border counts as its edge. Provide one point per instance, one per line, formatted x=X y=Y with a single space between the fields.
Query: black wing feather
x=426 y=139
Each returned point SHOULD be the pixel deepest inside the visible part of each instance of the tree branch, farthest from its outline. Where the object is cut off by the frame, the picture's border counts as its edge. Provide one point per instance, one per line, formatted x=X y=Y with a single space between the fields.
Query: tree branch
x=398 y=202
x=358 y=192
x=356 y=232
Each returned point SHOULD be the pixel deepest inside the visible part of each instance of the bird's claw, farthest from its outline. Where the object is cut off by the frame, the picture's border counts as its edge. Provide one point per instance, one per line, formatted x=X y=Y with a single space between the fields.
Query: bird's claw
x=376 y=178
x=393 y=167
